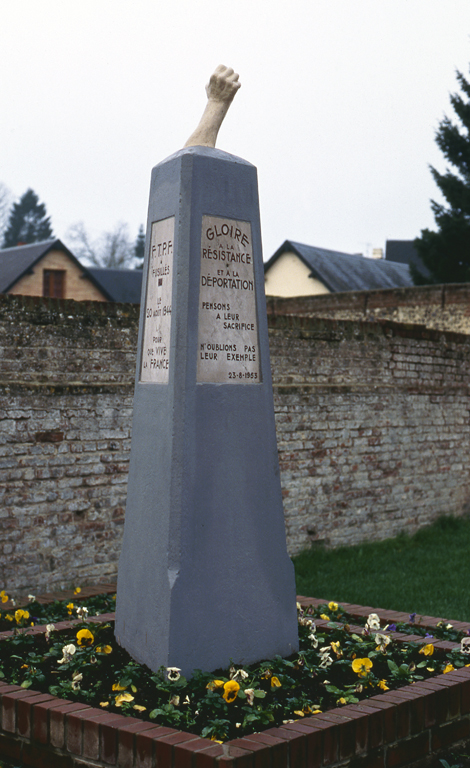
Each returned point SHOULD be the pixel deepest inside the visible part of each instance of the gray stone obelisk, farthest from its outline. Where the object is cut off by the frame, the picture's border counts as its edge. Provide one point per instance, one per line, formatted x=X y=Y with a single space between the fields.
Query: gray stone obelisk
x=204 y=575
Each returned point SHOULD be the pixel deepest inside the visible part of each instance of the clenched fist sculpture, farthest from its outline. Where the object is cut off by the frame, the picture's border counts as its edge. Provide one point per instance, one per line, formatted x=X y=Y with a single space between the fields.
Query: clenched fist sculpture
x=220 y=90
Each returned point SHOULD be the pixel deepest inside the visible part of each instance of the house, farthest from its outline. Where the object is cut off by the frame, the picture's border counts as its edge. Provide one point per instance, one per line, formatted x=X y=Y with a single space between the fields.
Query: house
x=404 y=252
x=304 y=270
x=49 y=269
x=123 y=285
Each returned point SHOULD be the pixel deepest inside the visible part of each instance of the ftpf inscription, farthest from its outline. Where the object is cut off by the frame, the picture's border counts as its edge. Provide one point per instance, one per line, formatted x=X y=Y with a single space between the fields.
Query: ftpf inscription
x=228 y=345
x=157 y=311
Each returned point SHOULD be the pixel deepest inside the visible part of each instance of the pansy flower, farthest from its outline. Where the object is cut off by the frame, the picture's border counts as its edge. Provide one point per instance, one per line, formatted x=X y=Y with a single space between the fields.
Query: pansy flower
x=427 y=649
x=465 y=645
x=362 y=666
x=85 y=637
x=231 y=689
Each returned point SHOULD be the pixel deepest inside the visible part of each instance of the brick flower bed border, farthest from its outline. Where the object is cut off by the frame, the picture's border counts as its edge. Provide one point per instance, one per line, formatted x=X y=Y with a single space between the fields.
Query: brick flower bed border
x=396 y=728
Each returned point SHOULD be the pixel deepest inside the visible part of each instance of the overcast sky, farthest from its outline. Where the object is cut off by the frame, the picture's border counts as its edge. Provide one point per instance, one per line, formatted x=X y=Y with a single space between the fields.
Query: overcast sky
x=338 y=108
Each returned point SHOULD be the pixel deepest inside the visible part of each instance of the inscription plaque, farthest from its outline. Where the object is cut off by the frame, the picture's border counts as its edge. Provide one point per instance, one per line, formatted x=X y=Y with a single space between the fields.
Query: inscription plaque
x=228 y=345
x=155 y=362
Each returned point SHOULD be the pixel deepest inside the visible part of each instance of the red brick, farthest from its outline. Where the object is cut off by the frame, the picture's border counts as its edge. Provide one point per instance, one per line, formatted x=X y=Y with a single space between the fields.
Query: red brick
x=38 y=756
x=164 y=745
x=108 y=737
x=278 y=748
x=184 y=754
x=314 y=739
x=9 y=713
x=57 y=723
x=233 y=757
x=449 y=733
x=405 y=752
x=10 y=746
x=24 y=712
x=41 y=719
x=144 y=745
x=388 y=722
x=376 y=758
x=82 y=732
x=402 y=716
x=126 y=742
x=207 y=758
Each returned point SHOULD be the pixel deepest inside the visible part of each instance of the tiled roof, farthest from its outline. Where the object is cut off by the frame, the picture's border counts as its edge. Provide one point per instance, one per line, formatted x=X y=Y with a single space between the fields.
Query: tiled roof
x=345 y=271
x=122 y=285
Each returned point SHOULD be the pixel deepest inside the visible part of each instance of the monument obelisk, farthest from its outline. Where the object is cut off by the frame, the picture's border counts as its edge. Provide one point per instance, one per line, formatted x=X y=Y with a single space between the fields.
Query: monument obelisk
x=204 y=575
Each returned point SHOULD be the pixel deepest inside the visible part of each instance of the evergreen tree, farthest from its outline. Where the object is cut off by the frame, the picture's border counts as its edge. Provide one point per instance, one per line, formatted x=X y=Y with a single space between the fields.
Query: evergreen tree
x=28 y=222
x=446 y=253
x=139 y=248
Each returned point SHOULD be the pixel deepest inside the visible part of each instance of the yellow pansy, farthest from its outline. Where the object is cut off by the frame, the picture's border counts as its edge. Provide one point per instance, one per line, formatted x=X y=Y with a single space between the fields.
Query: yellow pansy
x=342 y=700
x=104 y=703
x=383 y=685
x=4 y=596
x=139 y=707
x=230 y=691
x=448 y=668
x=299 y=712
x=337 y=648
x=214 y=684
x=119 y=687
x=70 y=607
x=275 y=682
x=85 y=637
x=428 y=649
x=77 y=590
x=9 y=617
x=122 y=698
x=324 y=617
x=20 y=615
x=333 y=606
x=362 y=666
x=104 y=649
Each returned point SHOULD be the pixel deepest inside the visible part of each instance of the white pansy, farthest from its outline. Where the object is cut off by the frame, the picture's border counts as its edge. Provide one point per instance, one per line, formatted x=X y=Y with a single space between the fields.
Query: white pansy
x=465 y=645
x=238 y=675
x=382 y=641
x=373 y=622
x=173 y=673
x=67 y=653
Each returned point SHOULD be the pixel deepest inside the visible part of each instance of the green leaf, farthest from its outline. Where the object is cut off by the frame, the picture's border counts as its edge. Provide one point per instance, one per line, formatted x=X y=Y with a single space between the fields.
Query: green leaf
x=26 y=683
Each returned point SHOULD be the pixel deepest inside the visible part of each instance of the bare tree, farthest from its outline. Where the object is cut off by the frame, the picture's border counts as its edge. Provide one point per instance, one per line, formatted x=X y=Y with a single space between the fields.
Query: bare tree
x=112 y=249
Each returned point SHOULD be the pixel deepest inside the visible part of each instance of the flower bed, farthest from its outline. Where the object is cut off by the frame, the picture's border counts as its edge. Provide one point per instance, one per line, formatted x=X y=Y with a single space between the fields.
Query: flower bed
x=392 y=727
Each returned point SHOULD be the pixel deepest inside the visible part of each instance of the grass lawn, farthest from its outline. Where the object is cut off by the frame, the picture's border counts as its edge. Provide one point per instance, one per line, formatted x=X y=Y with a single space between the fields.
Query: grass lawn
x=428 y=573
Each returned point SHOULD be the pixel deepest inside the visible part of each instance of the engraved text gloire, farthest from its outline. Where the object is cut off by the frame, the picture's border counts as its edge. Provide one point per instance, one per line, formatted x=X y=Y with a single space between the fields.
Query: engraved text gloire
x=228 y=347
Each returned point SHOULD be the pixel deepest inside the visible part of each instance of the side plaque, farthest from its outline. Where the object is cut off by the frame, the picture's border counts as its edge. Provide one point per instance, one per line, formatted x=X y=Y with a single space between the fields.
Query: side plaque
x=228 y=346
x=157 y=312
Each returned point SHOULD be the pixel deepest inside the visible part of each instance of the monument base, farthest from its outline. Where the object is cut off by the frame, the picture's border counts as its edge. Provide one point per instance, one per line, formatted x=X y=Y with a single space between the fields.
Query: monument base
x=204 y=544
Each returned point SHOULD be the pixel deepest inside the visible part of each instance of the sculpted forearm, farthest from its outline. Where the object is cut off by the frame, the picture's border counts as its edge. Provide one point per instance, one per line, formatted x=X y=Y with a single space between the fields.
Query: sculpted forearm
x=220 y=90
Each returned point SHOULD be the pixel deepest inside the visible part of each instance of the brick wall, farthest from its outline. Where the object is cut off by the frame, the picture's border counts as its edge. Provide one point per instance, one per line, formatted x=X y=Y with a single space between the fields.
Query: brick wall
x=372 y=424
x=442 y=307
x=66 y=386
